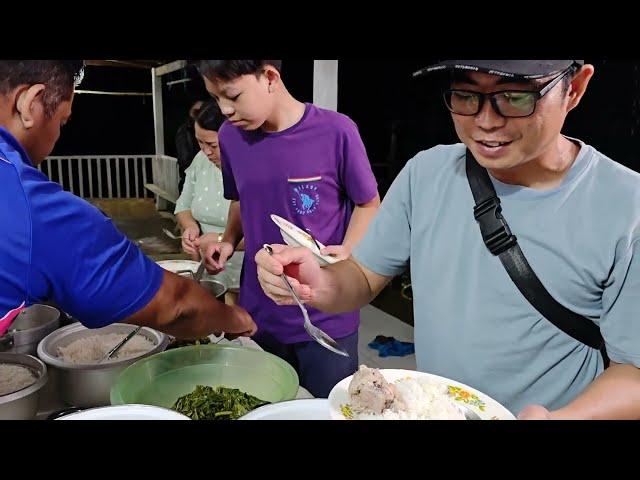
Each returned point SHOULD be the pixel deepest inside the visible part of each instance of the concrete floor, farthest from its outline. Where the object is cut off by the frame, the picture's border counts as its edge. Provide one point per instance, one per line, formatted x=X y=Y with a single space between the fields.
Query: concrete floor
x=139 y=221
x=374 y=322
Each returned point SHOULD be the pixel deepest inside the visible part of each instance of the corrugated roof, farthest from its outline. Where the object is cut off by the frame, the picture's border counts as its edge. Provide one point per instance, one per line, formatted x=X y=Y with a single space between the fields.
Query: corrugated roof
x=128 y=63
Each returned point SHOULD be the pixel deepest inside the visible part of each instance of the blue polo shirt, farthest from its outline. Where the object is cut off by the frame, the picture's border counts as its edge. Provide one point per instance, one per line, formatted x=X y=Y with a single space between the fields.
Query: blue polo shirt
x=56 y=246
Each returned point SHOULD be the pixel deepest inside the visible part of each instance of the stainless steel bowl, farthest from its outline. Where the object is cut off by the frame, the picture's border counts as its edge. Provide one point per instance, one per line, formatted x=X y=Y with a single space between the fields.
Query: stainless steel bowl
x=215 y=287
x=23 y=404
x=30 y=326
x=89 y=385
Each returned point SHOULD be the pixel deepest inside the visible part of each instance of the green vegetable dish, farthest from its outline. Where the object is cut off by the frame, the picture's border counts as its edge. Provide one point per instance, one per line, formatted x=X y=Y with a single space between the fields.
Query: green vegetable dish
x=175 y=343
x=220 y=403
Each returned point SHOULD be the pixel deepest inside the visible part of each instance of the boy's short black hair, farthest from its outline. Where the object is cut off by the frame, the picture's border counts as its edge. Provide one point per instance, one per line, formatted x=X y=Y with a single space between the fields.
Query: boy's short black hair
x=230 y=69
x=209 y=116
x=59 y=76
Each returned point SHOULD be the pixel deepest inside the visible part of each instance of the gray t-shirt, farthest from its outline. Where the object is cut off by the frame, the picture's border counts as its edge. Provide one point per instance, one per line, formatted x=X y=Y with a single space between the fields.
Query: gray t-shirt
x=471 y=322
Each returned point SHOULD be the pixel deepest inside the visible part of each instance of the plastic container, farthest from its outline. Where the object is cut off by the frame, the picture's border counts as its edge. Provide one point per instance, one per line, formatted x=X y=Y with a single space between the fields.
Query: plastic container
x=302 y=409
x=160 y=380
x=125 y=412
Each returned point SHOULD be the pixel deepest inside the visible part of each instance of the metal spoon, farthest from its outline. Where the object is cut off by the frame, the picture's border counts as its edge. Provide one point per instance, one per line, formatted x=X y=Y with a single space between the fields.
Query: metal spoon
x=198 y=275
x=318 y=335
x=468 y=413
x=115 y=349
x=171 y=235
x=314 y=239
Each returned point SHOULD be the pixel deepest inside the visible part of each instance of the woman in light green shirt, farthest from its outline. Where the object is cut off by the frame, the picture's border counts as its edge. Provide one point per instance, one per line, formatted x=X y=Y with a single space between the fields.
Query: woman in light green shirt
x=202 y=207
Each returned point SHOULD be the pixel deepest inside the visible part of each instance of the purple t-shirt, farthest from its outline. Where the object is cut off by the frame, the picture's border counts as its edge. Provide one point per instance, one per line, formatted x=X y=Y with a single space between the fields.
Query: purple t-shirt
x=311 y=174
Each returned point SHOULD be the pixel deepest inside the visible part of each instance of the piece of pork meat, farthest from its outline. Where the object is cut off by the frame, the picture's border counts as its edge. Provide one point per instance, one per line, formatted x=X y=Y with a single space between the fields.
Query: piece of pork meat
x=369 y=392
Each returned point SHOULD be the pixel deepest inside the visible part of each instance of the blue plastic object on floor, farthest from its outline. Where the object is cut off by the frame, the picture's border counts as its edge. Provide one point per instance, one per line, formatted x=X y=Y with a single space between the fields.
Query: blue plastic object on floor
x=390 y=347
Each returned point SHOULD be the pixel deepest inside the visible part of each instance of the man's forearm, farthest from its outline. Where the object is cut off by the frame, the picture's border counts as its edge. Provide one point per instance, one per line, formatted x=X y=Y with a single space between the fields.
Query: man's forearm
x=614 y=395
x=233 y=231
x=344 y=287
x=360 y=220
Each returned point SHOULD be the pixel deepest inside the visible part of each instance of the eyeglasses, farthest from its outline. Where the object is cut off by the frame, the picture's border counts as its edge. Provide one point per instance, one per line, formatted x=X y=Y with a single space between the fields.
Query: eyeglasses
x=507 y=103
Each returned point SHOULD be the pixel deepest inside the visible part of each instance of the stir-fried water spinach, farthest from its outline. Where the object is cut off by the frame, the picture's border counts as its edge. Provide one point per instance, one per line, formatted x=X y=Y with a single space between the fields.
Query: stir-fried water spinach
x=220 y=403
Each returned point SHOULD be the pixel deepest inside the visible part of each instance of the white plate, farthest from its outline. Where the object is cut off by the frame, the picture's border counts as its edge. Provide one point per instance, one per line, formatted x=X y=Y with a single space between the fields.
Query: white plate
x=305 y=409
x=486 y=407
x=296 y=237
x=177 y=265
x=126 y=412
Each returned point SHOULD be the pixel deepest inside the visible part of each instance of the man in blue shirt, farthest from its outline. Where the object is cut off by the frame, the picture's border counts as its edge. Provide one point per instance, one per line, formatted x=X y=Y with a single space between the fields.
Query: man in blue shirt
x=576 y=216
x=55 y=246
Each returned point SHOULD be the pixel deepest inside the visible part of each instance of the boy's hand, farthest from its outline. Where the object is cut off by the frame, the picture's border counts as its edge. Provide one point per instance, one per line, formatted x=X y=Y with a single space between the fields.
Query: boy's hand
x=340 y=252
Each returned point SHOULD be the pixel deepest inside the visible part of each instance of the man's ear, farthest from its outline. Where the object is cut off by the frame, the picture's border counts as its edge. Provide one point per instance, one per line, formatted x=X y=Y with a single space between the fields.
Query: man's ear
x=26 y=104
x=579 y=85
x=273 y=78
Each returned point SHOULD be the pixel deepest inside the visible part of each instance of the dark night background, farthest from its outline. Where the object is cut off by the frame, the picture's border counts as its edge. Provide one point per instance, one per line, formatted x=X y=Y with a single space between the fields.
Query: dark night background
x=397 y=116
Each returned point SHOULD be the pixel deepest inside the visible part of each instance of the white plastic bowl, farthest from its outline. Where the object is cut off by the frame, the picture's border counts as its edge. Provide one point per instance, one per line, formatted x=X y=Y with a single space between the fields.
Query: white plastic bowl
x=177 y=265
x=301 y=409
x=126 y=412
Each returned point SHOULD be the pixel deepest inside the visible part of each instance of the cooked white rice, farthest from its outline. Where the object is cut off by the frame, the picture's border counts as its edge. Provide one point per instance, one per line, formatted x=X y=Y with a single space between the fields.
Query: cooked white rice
x=14 y=378
x=418 y=399
x=91 y=349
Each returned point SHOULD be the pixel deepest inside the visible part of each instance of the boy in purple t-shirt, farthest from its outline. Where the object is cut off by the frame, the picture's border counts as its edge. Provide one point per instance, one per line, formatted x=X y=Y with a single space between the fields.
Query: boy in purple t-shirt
x=307 y=165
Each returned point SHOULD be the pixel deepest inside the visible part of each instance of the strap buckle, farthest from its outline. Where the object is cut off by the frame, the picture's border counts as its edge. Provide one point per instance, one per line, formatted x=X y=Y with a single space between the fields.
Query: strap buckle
x=494 y=229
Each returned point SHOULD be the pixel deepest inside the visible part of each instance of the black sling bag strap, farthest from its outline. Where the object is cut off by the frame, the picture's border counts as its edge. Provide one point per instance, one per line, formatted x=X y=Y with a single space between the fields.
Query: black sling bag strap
x=501 y=242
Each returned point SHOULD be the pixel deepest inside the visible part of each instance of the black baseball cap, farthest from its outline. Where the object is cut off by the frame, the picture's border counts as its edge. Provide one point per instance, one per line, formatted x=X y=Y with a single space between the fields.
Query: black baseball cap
x=517 y=69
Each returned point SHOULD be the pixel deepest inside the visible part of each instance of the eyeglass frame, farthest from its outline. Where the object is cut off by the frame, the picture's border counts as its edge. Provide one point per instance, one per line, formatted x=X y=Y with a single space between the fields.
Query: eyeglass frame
x=538 y=94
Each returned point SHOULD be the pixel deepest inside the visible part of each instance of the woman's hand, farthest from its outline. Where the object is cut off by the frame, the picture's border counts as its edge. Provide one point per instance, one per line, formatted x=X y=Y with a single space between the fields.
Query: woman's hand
x=189 y=235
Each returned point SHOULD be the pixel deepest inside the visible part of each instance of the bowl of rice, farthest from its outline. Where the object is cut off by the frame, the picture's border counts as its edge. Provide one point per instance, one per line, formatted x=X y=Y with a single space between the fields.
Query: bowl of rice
x=22 y=377
x=74 y=353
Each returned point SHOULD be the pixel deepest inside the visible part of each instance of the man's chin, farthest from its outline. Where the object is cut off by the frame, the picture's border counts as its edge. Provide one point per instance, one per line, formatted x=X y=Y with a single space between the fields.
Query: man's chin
x=493 y=163
x=37 y=159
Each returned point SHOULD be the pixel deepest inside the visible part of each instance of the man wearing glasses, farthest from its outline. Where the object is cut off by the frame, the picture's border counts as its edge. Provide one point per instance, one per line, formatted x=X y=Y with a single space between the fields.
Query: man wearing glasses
x=573 y=213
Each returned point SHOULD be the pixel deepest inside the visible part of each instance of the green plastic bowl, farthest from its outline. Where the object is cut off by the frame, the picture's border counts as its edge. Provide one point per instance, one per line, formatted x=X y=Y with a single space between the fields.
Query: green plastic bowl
x=162 y=378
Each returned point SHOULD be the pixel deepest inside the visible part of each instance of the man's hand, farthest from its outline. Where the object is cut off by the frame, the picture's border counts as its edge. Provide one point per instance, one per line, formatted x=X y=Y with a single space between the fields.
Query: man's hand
x=243 y=324
x=301 y=267
x=534 y=412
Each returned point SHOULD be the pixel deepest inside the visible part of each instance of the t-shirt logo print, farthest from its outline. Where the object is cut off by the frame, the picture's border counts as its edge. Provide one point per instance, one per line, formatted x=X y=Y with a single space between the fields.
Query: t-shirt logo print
x=305 y=199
